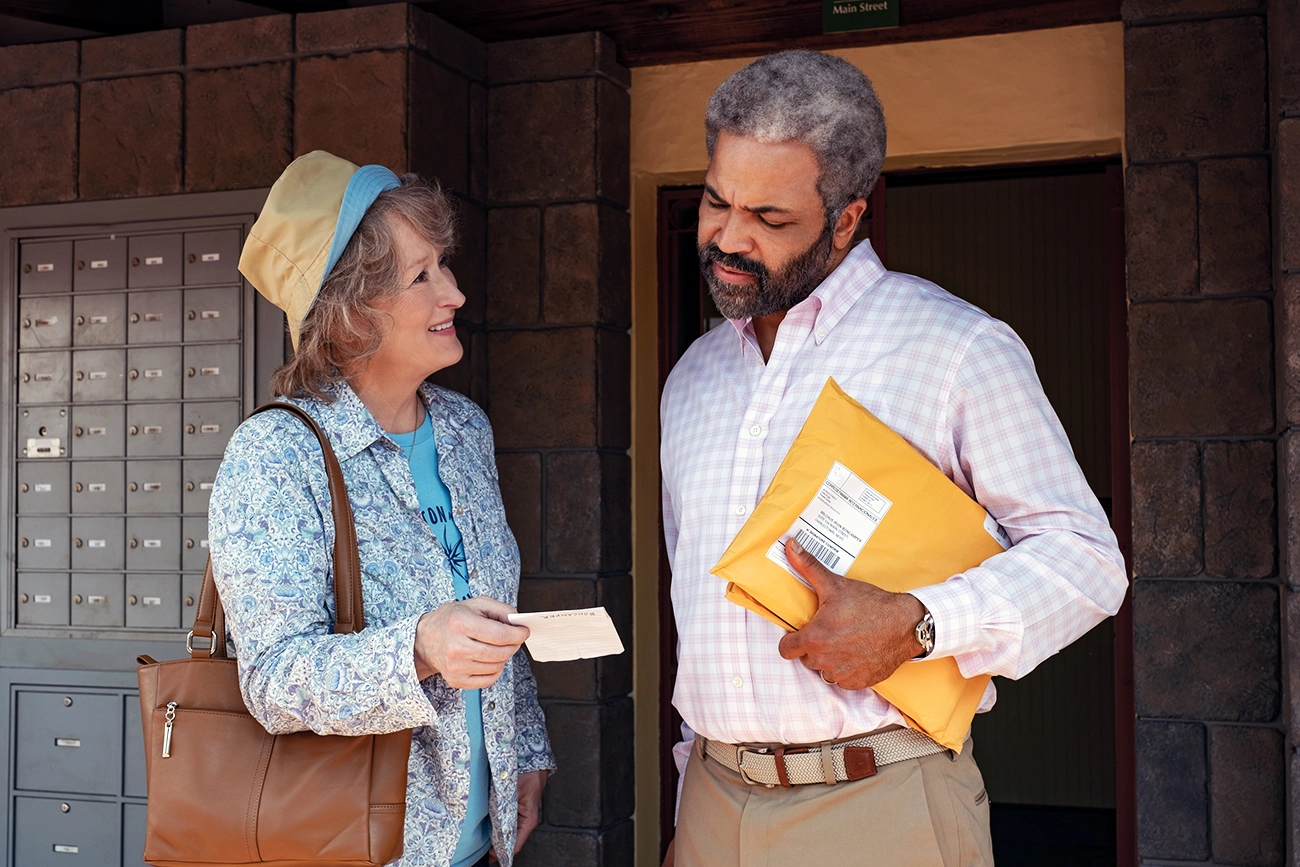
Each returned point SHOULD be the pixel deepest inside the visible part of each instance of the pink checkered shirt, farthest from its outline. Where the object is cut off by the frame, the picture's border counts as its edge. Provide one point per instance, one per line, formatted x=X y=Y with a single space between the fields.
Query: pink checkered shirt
x=961 y=388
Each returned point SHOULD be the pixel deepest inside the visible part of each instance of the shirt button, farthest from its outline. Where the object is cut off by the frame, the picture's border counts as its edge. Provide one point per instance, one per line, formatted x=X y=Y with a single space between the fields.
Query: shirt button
x=821 y=333
x=492 y=705
x=755 y=430
x=737 y=681
x=740 y=510
x=501 y=774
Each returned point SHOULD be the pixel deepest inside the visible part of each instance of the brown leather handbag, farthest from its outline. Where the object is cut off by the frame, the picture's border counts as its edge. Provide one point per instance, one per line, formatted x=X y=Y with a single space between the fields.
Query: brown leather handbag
x=222 y=791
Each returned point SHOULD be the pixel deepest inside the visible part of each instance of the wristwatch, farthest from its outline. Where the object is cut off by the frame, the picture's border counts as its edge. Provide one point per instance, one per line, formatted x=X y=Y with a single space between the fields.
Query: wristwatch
x=925 y=635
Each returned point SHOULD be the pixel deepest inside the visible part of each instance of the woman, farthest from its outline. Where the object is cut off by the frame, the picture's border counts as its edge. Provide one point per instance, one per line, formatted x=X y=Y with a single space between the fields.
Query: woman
x=357 y=259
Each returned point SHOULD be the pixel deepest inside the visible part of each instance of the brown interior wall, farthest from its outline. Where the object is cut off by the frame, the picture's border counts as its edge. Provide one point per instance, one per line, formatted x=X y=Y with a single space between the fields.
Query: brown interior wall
x=531 y=137
x=1212 y=166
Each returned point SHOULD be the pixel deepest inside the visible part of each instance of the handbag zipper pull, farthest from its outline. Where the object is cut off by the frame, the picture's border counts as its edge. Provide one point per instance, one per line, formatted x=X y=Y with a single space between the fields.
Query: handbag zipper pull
x=167 y=730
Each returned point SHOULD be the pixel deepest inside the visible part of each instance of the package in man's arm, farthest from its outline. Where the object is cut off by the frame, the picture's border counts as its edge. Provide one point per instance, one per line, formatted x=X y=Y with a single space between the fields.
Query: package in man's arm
x=870 y=507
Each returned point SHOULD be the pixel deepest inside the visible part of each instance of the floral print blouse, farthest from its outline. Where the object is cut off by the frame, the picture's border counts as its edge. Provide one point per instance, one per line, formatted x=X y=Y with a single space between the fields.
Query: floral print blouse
x=272 y=537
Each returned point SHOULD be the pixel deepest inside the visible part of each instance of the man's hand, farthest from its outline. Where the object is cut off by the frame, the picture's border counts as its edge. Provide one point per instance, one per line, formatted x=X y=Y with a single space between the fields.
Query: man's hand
x=860 y=634
x=670 y=857
x=468 y=643
x=530 y=804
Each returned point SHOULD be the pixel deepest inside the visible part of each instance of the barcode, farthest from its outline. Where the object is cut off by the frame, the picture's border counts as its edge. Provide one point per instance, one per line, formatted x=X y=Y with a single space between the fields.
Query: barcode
x=827 y=555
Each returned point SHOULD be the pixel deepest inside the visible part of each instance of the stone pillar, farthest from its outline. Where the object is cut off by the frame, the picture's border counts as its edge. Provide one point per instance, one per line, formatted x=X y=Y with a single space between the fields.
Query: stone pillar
x=558 y=313
x=1209 y=580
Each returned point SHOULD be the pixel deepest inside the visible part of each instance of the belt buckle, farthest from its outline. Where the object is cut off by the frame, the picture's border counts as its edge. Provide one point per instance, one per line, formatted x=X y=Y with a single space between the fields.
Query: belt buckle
x=740 y=765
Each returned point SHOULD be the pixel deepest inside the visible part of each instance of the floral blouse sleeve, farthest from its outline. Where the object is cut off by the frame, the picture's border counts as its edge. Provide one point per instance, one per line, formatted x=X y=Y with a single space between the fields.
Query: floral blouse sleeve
x=272 y=538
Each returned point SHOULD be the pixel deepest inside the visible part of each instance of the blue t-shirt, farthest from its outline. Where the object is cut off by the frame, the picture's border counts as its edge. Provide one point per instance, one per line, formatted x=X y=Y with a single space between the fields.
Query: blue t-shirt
x=435 y=502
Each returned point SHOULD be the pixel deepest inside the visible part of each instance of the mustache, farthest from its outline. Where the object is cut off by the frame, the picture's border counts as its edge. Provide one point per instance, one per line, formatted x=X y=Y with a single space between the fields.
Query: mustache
x=710 y=253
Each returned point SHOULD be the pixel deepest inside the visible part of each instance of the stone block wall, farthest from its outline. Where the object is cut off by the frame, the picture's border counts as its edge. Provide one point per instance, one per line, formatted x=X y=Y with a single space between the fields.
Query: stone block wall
x=1213 y=405
x=558 y=313
x=531 y=138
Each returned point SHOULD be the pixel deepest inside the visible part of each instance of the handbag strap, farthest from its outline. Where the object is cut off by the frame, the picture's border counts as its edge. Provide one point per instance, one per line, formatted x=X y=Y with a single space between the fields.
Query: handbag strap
x=209 y=619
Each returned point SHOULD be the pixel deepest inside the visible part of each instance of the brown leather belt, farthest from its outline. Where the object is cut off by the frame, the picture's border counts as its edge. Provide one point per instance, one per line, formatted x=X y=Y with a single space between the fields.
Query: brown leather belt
x=832 y=762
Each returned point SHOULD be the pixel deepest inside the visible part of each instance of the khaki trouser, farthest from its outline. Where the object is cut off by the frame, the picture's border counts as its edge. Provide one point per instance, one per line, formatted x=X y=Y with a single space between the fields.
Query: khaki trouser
x=930 y=812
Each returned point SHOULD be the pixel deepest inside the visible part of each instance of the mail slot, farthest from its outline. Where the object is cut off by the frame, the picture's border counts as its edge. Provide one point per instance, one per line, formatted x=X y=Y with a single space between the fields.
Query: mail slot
x=42 y=542
x=44 y=322
x=212 y=257
x=99 y=264
x=153 y=601
x=153 y=487
x=98 y=431
x=212 y=371
x=42 y=599
x=194 y=553
x=98 y=600
x=43 y=431
x=154 y=260
x=98 y=320
x=45 y=267
x=97 y=375
x=54 y=832
x=98 y=543
x=153 y=543
x=43 y=487
x=207 y=427
x=153 y=317
x=43 y=377
x=212 y=314
x=154 y=373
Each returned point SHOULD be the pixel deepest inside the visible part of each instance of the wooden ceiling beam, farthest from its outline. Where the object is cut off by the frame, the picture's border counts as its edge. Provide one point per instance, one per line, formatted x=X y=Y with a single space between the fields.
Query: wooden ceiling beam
x=650 y=33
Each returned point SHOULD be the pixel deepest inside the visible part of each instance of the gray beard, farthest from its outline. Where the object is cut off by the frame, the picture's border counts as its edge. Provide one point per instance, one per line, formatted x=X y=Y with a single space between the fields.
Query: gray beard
x=770 y=293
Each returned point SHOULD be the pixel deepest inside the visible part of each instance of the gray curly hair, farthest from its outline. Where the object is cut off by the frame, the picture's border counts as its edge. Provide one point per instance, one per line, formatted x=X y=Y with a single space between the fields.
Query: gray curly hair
x=820 y=100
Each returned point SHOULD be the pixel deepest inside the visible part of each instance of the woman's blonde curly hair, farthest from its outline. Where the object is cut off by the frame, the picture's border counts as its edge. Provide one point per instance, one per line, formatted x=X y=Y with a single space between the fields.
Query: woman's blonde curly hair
x=343 y=328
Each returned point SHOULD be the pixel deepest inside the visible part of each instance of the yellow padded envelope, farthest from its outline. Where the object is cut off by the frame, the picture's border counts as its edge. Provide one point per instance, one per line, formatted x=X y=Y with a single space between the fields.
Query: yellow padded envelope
x=930 y=530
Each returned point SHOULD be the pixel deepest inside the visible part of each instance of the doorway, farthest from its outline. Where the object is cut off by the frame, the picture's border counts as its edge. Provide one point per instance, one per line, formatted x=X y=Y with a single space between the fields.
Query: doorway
x=1039 y=247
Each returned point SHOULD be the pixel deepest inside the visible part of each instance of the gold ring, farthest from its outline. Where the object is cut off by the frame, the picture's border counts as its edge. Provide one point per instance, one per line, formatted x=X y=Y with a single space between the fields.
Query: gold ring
x=826 y=679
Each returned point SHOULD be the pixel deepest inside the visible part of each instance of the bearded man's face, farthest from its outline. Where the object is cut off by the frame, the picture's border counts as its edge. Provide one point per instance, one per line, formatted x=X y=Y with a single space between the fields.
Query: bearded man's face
x=763 y=237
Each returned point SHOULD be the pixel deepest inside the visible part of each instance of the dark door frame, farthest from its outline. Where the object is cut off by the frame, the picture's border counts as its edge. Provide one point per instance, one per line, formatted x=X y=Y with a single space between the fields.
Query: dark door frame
x=672 y=224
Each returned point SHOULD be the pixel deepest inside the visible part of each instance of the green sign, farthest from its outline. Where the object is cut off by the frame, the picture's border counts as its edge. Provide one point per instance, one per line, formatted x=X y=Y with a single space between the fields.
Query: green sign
x=841 y=15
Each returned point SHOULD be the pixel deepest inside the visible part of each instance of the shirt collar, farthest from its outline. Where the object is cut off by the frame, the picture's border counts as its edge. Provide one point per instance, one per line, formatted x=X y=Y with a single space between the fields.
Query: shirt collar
x=352 y=429
x=860 y=270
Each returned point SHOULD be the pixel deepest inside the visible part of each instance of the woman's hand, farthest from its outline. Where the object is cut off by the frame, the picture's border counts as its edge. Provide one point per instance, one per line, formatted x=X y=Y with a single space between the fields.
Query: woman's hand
x=468 y=643
x=530 y=804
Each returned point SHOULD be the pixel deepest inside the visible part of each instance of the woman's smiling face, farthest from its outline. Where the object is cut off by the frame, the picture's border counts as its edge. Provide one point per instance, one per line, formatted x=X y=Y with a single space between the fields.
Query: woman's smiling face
x=422 y=338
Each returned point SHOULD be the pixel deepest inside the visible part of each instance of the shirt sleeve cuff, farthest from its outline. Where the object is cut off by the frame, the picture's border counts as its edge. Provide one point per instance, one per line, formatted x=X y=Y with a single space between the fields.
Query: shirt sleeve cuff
x=955 y=610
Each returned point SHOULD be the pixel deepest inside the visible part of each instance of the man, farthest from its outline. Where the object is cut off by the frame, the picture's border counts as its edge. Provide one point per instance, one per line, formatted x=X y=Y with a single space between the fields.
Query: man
x=796 y=141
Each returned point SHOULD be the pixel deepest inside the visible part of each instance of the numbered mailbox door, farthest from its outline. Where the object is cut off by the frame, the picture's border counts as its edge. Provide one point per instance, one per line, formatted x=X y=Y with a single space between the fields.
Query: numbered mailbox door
x=98 y=431
x=194 y=546
x=44 y=322
x=153 y=543
x=153 y=317
x=42 y=542
x=98 y=600
x=191 y=587
x=98 y=487
x=155 y=260
x=212 y=257
x=98 y=320
x=98 y=375
x=42 y=431
x=208 y=427
x=196 y=485
x=212 y=371
x=153 y=601
x=98 y=543
x=153 y=373
x=153 y=487
x=69 y=742
x=99 y=264
x=42 y=599
x=45 y=267
x=43 y=487
x=212 y=314
x=43 y=377
x=49 y=832
x=153 y=430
